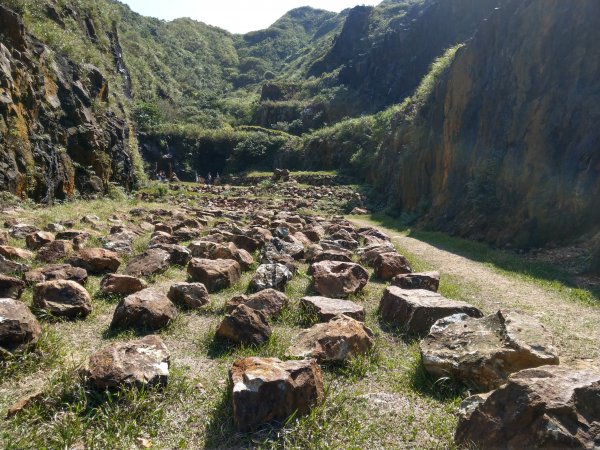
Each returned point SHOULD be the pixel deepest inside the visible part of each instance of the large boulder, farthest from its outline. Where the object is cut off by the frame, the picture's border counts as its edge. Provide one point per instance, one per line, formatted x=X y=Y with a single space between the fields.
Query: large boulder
x=244 y=326
x=325 y=308
x=190 y=295
x=388 y=265
x=484 y=352
x=268 y=301
x=56 y=272
x=549 y=407
x=271 y=276
x=424 y=280
x=338 y=279
x=337 y=340
x=62 y=298
x=415 y=311
x=147 y=309
x=151 y=262
x=18 y=326
x=214 y=274
x=115 y=284
x=11 y=287
x=136 y=363
x=266 y=390
x=96 y=260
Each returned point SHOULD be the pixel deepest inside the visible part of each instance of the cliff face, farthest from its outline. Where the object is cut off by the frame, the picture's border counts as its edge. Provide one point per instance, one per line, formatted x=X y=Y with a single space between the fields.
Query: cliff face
x=56 y=133
x=507 y=149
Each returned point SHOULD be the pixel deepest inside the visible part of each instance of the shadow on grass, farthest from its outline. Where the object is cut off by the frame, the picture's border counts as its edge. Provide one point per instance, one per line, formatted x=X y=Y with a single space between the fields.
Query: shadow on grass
x=500 y=259
x=442 y=389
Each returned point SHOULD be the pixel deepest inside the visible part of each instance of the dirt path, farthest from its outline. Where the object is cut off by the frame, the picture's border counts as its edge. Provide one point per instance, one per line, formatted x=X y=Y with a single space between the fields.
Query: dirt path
x=576 y=327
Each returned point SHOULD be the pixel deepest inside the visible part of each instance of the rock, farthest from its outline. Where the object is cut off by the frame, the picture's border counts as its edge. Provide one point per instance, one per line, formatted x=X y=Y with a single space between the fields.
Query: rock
x=11 y=287
x=21 y=230
x=113 y=284
x=214 y=274
x=152 y=261
x=15 y=253
x=55 y=251
x=338 y=279
x=18 y=326
x=244 y=326
x=191 y=295
x=484 y=352
x=56 y=272
x=268 y=301
x=546 y=407
x=135 y=363
x=247 y=243
x=425 y=280
x=333 y=255
x=337 y=340
x=367 y=255
x=62 y=298
x=146 y=309
x=179 y=255
x=359 y=211
x=388 y=265
x=214 y=250
x=23 y=403
x=96 y=260
x=37 y=239
x=265 y=390
x=271 y=276
x=327 y=308
x=244 y=258
x=415 y=311
x=8 y=266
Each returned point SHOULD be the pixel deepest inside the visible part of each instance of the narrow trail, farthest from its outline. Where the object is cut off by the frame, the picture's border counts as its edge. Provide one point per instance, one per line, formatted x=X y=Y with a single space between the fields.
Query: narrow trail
x=576 y=327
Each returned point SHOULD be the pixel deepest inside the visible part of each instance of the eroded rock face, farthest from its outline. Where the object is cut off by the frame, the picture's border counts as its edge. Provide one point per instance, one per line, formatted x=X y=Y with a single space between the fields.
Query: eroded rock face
x=190 y=295
x=484 y=352
x=338 y=279
x=425 y=280
x=268 y=301
x=546 y=407
x=18 y=326
x=271 y=276
x=152 y=261
x=337 y=340
x=63 y=298
x=11 y=287
x=244 y=326
x=114 y=284
x=415 y=311
x=388 y=265
x=214 y=274
x=136 y=363
x=270 y=390
x=96 y=260
x=147 y=309
x=327 y=308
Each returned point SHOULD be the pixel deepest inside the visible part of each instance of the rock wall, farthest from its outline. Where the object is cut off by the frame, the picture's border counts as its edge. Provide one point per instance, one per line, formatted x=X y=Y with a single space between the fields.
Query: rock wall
x=57 y=134
x=508 y=148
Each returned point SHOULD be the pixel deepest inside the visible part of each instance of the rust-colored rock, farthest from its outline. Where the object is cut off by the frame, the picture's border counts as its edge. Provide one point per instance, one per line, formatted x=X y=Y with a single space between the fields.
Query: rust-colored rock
x=152 y=261
x=96 y=260
x=37 y=239
x=114 y=284
x=268 y=301
x=388 y=265
x=190 y=295
x=147 y=309
x=56 y=272
x=338 y=279
x=55 y=251
x=214 y=274
x=15 y=253
x=245 y=326
x=62 y=298
x=425 y=280
x=327 y=308
x=18 y=326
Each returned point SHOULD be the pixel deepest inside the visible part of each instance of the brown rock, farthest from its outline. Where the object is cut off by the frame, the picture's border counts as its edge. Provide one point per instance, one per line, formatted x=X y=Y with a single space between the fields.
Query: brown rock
x=152 y=261
x=56 y=272
x=267 y=390
x=55 y=251
x=268 y=301
x=96 y=260
x=244 y=326
x=337 y=340
x=338 y=279
x=179 y=255
x=15 y=253
x=247 y=243
x=549 y=407
x=35 y=240
x=191 y=295
x=11 y=287
x=146 y=309
x=18 y=327
x=214 y=274
x=62 y=298
x=23 y=403
x=327 y=308
x=114 y=284
x=415 y=311
x=388 y=265
x=484 y=352
x=368 y=255
x=136 y=363
x=425 y=280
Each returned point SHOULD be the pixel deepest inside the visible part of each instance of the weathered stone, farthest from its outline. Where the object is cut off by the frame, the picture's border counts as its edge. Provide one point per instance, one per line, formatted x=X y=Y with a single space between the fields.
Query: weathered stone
x=191 y=295
x=55 y=251
x=56 y=272
x=415 y=311
x=549 y=407
x=214 y=274
x=146 y=309
x=338 y=279
x=15 y=253
x=337 y=340
x=333 y=255
x=244 y=326
x=11 y=287
x=96 y=260
x=247 y=243
x=135 y=363
x=24 y=403
x=271 y=276
x=18 y=327
x=21 y=230
x=425 y=280
x=327 y=308
x=179 y=255
x=62 y=298
x=388 y=265
x=268 y=301
x=368 y=254
x=152 y=261
x=37 y=239
x=114 y=284
x=268 y=390
x=484 y=352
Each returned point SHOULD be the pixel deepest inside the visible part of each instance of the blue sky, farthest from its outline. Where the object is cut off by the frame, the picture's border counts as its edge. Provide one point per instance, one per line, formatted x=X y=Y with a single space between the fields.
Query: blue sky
x=238 y=16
